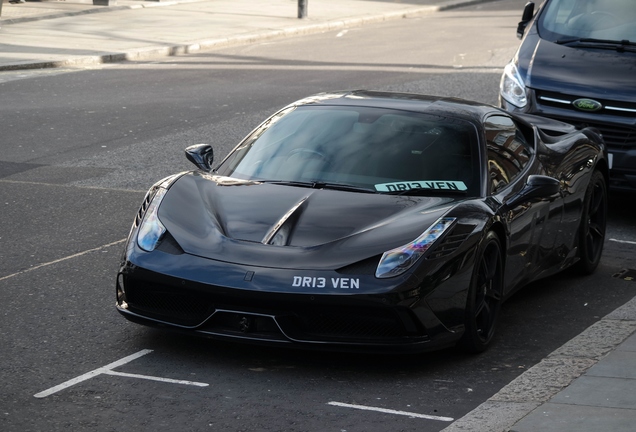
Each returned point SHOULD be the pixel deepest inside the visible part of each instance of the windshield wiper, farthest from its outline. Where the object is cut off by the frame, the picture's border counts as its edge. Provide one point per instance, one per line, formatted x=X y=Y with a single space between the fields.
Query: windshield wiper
x=288 y=183
x=618 y=45
x=319 y=185
x=343 y=187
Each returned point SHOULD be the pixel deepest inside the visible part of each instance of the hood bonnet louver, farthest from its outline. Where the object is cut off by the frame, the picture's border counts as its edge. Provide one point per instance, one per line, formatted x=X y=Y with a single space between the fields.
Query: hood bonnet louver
x=281 y=231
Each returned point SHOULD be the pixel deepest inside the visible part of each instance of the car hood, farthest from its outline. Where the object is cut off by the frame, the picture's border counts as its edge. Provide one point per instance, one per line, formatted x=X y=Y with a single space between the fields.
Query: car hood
x=237 y=221
x=588 y=72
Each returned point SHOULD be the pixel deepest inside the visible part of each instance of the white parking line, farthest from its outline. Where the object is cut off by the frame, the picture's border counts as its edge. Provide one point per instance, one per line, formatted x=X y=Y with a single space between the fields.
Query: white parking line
x=108 y=370
x=390 y=411
x=92 y=374
x=622 y=241
x=152 y=378
x=62 y=259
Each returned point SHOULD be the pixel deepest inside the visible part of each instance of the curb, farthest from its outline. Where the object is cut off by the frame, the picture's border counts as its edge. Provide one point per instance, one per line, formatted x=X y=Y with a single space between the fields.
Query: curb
x=558 y=370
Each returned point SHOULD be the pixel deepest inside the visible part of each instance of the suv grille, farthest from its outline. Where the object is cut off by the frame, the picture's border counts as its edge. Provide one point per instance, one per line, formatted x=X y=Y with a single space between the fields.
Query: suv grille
x=619 y=137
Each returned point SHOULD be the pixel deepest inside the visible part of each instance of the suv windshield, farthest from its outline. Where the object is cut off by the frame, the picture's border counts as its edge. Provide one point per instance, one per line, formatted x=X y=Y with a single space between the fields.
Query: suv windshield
x=371 y=149
x=604 y=20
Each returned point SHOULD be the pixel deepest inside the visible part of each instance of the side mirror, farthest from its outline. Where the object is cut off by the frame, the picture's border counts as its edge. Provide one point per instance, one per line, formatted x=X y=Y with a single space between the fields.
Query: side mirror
x=202 y=155
x=528 y=13
x=537 y=187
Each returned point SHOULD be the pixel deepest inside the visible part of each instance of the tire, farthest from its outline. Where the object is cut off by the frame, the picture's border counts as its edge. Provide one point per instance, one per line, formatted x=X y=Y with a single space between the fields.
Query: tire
x=593 y=224
x=485 y=295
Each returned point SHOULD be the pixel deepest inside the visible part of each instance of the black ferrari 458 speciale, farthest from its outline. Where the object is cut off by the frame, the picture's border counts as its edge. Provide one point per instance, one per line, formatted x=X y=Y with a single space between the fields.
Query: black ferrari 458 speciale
x=367 y=220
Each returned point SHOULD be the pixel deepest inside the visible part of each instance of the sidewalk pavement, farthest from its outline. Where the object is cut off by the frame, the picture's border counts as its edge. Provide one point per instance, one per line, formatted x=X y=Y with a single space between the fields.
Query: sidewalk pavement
x=589 y=384
x=586 y=385
x=42 y=34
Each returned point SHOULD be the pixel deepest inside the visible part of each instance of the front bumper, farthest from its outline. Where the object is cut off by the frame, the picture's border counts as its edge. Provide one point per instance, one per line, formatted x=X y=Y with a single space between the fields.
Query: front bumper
x=310 y=309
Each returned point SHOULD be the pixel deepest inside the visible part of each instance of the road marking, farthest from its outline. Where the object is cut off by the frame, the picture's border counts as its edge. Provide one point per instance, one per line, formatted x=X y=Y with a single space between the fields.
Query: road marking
x=390 y=411
x=69 y=186
x=92 y=374
x=108 y=370
x=152 y=378
x=61 y=259
x=622 y=241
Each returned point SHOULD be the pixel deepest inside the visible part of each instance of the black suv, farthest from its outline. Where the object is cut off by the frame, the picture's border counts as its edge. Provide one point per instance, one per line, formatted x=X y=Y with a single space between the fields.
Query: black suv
x=577 y=63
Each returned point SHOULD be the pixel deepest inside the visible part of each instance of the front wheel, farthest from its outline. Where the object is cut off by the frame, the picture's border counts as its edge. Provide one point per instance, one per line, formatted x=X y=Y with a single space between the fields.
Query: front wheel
x=484 y=297
x=593 y=224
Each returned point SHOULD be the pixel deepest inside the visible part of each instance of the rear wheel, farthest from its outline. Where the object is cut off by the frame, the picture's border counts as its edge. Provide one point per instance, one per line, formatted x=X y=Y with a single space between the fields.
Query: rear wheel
x=484 y=297
x=593 y=223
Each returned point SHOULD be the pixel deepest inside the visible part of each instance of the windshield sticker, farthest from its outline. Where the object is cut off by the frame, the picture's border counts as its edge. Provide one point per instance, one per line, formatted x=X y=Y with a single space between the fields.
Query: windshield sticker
x=423 y=184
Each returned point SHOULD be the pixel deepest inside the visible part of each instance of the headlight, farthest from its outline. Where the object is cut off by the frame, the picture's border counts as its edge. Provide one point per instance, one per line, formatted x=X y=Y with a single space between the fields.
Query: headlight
x=512 y=87
x=399 y=260
x=151 y=229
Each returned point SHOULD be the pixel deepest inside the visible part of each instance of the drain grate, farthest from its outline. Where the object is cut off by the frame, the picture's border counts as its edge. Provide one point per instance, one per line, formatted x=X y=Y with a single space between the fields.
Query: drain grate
x=626 y=274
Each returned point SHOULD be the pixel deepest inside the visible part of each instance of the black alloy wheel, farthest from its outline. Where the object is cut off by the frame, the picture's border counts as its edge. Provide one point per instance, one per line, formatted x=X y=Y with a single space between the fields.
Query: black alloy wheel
x=484 y=297
x=593 y=224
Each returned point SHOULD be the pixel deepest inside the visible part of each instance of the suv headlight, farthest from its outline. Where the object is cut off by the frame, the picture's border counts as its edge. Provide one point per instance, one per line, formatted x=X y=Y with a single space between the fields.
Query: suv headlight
x=512 y=87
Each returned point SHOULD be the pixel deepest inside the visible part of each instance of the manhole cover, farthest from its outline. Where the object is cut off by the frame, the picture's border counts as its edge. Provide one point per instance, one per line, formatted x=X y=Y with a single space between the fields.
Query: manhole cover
x=627 y=274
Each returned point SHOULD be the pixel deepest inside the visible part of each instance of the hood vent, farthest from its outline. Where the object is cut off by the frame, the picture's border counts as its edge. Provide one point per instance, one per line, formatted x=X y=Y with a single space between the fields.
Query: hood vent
x=280 y=233
x=168 y=244
x=144 y=206
x=364 y=267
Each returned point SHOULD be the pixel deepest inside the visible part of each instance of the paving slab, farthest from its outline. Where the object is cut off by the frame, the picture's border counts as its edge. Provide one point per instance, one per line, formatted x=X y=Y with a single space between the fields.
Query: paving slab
x=553 y=417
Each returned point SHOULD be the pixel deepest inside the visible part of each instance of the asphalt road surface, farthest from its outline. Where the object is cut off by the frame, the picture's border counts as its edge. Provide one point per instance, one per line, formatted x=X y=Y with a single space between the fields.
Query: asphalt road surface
x=79 y=148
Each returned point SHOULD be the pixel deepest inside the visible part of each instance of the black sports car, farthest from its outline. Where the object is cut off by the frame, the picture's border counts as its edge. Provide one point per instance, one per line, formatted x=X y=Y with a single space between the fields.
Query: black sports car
x=367 y=220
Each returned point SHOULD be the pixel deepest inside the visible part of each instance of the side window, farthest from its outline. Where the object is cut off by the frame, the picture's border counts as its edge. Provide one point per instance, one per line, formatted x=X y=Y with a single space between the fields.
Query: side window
x=508 y=151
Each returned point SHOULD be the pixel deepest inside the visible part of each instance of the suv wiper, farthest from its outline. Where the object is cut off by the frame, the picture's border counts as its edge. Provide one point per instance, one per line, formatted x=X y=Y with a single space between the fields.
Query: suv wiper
x=618 y=45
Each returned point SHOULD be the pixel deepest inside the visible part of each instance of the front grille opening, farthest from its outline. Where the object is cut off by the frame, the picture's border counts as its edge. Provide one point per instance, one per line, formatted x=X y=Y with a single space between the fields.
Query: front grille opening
x=259 y=316
x=616 y=136
x=364 y=325
x=244 y=325
x=166 y=304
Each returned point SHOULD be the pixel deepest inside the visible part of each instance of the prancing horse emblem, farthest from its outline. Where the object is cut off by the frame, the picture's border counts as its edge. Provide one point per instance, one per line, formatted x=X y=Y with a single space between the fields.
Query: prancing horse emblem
x=245 y=324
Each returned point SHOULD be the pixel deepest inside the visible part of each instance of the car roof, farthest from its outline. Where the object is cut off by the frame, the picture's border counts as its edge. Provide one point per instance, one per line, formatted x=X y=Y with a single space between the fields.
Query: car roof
x=437 y=105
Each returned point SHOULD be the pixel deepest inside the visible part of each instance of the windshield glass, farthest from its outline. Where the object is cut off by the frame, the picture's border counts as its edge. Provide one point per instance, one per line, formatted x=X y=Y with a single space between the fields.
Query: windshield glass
x=598 y=19
x=378 y=150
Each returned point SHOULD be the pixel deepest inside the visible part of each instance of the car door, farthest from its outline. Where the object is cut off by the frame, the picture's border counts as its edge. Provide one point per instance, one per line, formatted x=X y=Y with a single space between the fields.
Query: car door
x=533 y=224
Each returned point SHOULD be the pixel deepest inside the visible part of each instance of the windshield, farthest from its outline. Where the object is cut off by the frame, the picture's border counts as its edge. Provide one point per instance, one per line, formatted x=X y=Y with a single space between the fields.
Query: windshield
x=613 y=20
x=372 y=149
